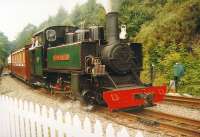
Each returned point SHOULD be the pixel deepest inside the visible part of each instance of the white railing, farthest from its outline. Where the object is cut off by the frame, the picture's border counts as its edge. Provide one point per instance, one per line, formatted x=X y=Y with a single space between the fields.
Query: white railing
x=24 y=119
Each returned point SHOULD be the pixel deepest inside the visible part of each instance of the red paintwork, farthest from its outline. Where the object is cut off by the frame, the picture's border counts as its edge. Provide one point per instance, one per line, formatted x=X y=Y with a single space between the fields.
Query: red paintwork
x=20 y=63
x=124 y=98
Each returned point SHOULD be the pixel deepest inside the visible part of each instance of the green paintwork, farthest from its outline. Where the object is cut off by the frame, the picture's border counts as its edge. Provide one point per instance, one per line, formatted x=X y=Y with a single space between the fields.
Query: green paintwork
x=36 y=63
x=74 y=52
x=31 y=61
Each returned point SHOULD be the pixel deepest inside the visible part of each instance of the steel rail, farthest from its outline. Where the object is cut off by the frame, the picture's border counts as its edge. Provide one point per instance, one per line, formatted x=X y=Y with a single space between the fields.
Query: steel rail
x=182 y=125
x=184 y=101
x=155 y=122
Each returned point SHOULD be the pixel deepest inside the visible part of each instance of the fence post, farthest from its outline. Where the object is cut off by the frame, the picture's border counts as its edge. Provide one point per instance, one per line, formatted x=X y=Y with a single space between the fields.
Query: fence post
x=98 y=131
x=110 y=131
x=16 y=111
x=139 y=134
x=21 y=121
x=68 y=125
x=32 y=120
x=45 y=123
x=26 y=117
x=52 y=120
x=38 y=120
x=6 y=115
x=123 y=133
x=87 y=127
x=2 y=118
x=77 y=129
x=59 y=117
x=11 y=116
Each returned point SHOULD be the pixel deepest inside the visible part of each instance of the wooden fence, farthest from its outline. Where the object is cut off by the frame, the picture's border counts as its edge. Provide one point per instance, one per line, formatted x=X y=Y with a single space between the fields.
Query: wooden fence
x=24 y=119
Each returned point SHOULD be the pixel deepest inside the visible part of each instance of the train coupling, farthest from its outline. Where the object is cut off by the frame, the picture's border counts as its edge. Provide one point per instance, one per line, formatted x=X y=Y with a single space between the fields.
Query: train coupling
x=147 y=97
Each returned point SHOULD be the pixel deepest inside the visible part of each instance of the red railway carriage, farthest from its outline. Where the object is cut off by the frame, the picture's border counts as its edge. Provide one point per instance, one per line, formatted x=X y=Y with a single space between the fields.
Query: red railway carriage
x=20 y=63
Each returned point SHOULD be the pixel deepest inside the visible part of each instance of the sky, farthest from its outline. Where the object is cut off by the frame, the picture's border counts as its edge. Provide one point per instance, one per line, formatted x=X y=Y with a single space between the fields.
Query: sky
x=16 y=14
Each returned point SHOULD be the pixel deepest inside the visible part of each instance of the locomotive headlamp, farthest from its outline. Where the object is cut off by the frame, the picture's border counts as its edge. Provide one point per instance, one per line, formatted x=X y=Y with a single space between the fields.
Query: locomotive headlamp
x=123 y=34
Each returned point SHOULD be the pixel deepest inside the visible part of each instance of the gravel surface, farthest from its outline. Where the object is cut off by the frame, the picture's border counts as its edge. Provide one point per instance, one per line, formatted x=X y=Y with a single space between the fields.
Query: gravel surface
x=15 y=88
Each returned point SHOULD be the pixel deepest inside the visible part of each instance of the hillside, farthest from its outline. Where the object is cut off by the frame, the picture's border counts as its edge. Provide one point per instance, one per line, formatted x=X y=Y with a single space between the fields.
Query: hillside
x=173 y=36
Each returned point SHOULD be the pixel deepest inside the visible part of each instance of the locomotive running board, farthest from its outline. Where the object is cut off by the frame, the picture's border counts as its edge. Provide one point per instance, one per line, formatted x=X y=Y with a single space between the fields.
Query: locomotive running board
x=119 y=99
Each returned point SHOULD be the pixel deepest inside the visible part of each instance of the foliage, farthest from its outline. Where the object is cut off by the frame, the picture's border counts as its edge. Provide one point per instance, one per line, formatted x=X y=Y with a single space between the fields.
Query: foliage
x=137 y=12
x=24 y=37
x=61 y=18
x=173 y=37
x=4 y=48
x=89 y=13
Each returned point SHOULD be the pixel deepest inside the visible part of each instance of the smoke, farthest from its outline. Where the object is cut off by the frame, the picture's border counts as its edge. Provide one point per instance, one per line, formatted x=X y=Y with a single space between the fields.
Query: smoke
x=110 y=5
x=115 y=5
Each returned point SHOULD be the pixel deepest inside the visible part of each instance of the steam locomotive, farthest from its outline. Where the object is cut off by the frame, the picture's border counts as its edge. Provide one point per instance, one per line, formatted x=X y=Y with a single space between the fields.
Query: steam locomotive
x=83 y=64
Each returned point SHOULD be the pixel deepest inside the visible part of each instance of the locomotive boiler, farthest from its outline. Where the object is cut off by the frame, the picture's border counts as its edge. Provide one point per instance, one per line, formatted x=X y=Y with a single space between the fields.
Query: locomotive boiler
x=91 y=65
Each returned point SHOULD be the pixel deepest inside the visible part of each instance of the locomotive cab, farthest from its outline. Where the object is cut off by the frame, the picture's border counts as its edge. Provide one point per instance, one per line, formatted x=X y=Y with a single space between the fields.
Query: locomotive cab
x=49 y=37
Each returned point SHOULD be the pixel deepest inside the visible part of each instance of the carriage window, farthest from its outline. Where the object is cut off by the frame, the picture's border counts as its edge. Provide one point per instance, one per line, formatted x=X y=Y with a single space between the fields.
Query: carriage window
x=51 y=35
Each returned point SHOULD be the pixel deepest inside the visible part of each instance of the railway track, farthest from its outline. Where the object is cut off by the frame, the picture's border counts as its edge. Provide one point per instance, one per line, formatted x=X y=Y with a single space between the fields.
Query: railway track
x=176 y=124
x=184 y=101
x=156 y=122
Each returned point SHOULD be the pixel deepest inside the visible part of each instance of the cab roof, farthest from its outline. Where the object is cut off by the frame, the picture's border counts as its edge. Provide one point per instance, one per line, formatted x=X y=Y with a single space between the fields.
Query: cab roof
x=44 y=29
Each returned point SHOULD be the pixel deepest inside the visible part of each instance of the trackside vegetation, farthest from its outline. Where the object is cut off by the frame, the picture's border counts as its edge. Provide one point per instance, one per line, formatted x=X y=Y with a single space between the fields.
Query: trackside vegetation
x=173 y=36
x=4 y=50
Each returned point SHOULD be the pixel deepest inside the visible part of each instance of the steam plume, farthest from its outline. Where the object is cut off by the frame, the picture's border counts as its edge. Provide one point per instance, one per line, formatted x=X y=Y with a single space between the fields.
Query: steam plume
x=110 y=5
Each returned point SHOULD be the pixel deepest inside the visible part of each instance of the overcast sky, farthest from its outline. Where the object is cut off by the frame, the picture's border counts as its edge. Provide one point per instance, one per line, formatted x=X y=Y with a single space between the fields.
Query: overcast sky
x=16 y=14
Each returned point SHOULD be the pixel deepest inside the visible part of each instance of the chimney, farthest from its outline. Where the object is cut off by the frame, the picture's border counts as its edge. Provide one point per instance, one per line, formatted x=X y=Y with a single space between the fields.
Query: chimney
x=112 y=30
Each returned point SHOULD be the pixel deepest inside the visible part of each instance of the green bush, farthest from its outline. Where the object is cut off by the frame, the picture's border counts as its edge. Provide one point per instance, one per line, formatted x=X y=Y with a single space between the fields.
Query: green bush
x=173 y=36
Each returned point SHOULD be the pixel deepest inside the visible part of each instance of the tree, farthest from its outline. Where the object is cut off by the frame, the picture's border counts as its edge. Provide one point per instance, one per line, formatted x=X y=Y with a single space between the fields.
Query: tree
x=90 y=13
x=4 y=49
x=173 y=36
x=24 y=37
x=135 y=13
x=61 y=18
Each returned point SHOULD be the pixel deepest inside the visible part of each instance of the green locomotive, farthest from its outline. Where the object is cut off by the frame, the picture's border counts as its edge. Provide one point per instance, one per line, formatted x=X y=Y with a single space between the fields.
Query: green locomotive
x=83 y=64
